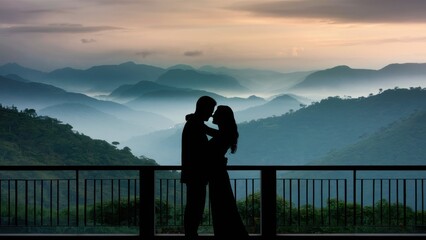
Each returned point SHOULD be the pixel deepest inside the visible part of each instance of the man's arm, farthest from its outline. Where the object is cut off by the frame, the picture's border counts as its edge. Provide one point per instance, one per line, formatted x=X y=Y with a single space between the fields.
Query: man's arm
x=212 y=132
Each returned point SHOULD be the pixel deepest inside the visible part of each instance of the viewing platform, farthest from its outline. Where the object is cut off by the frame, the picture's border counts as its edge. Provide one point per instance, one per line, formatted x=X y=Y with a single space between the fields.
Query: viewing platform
x=275 y=202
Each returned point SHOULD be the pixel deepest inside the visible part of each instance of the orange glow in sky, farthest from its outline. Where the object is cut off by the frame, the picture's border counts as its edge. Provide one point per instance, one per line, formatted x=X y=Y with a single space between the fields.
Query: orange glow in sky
x=286 y=36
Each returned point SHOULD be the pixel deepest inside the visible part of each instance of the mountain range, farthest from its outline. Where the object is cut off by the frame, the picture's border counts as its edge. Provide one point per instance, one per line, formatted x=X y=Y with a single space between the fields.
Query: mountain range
x=309 y=134
x=343 y=80
x=292 y=118
x=114 y=120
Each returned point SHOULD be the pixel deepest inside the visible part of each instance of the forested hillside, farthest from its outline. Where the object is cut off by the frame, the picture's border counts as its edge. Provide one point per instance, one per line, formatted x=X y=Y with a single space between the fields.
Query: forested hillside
x=403 y=142
x=309 y=134
x=28 y=139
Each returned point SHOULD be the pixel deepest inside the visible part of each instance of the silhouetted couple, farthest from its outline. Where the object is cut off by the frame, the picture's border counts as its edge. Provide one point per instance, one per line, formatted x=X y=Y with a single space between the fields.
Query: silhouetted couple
x=204 y=163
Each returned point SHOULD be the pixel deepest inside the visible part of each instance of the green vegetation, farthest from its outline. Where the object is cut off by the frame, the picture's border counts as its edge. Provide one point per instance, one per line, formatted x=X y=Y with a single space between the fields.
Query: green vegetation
x=309 y=134
x=28 y=139
x=334 y=217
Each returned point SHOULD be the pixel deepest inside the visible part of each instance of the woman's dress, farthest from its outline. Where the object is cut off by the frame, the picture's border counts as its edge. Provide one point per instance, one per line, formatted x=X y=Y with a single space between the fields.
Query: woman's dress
x=226 y=218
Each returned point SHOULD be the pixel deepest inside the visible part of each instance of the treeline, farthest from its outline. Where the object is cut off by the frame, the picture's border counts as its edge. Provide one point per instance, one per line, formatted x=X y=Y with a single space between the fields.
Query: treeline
x=334 y=217
x=28 y=139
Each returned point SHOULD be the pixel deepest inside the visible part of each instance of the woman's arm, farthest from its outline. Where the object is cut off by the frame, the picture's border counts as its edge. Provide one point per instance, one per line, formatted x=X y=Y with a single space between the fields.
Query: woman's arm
x=212 y=132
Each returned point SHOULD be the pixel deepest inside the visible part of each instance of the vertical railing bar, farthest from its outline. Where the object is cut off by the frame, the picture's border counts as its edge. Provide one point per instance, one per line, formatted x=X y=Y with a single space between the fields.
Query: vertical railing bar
x=94 y=202
x=181 y=199
x=252 y=201
x=381 y=202
x=134 y=201
x=35 y=202
x=69 y=206
x=119 y=202
x=415 y=201
x=85 y=202
x=405 y=201
x=102 y=202
x=57 y=202
x=112 y=198
x=26 y=202
x=337 y=202
x=284 y=212
x=322 y=201
x=246 y=202
x=42 y=202
x=8 y=202
x=174 y=203
x=397 y=201
x=423 y=201
x=313 y=201
x=354 y=195
x=362 y=202
x=167 y=202
x=16 y=202
x=345 y=181
x=161 y=200
x=329 y=201
x=373 y=201
x=51 y=202
x=77 y=195
x=306 y=201
x=128 y=202
x=290 y=200
x=298 y=202
x=389 y=204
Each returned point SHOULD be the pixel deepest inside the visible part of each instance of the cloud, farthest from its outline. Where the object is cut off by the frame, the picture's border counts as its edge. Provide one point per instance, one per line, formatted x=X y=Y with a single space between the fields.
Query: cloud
x=84 y=40
x=145 y=54
x=375 y=41
x=195 y=53
x=58 y=28
x=19 y=11
x=370 y=11
x=296 y=51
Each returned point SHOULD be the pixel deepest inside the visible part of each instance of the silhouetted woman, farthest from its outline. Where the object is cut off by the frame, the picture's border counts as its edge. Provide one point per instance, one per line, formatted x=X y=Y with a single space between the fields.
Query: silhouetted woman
x=226 y=218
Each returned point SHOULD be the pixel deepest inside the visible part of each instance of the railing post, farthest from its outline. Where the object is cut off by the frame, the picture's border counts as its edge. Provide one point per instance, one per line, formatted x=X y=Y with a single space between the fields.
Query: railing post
x=268 y=203
x=146 y=203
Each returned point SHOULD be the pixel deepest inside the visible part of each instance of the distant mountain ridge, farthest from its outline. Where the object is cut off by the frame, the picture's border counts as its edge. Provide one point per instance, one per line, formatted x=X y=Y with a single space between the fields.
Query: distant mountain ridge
x=40 y=96
x=308 y=134
x=339 y=80
x=105 y=77
x=275 y=107
x=352 y=80
x=200 y=80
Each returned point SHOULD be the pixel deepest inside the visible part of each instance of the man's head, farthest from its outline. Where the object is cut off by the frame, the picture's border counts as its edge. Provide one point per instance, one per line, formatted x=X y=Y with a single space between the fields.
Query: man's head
x=205 y=107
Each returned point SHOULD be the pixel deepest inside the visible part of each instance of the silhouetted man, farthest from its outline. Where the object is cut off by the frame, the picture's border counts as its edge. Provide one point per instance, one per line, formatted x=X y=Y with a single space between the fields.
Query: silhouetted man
x=194 y=150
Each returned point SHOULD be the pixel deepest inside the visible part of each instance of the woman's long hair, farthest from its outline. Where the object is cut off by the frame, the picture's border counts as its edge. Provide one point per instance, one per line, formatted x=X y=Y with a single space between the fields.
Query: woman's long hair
x=229 y=126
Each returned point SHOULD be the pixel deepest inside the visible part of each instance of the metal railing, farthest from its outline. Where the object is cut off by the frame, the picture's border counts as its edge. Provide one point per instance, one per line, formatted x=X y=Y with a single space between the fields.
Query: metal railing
x=274 y=201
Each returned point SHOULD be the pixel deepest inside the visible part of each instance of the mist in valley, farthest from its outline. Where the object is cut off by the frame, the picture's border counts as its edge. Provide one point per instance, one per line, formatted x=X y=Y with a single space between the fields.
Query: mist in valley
x=148 y=115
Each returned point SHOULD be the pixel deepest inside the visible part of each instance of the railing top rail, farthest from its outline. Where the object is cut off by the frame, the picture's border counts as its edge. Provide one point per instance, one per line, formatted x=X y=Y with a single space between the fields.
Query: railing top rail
x=230 y=167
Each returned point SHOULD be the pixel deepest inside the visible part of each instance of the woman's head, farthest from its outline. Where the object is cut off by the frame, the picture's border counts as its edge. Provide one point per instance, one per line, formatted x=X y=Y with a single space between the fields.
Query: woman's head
x=224 y=118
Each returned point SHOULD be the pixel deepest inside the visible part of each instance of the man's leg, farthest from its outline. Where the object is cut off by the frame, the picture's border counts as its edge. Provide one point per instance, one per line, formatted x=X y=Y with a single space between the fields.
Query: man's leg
x=194 y=209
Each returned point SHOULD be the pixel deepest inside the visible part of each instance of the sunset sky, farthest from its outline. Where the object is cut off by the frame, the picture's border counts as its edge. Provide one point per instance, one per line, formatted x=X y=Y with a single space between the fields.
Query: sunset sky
x=286 y=36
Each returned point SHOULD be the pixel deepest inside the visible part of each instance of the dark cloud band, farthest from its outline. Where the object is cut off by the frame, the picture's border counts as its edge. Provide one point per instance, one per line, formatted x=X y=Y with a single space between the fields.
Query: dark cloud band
x=58 y=28
x=375 y=11
x=193 y=53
